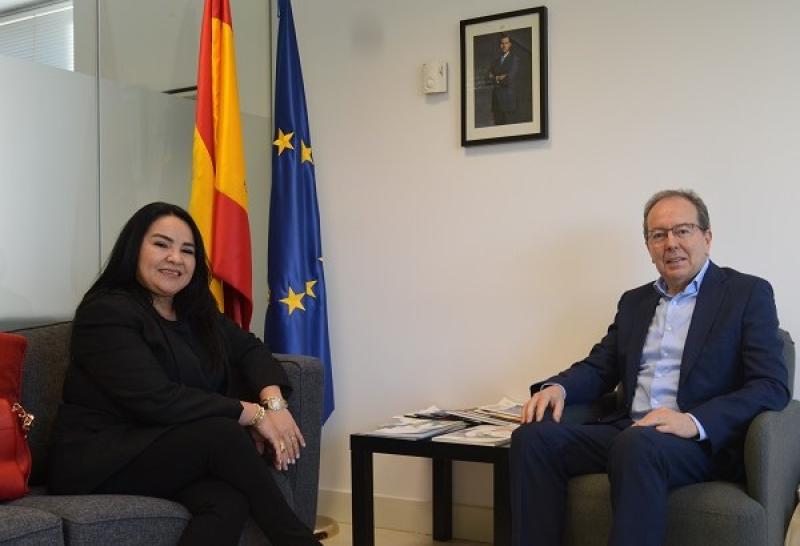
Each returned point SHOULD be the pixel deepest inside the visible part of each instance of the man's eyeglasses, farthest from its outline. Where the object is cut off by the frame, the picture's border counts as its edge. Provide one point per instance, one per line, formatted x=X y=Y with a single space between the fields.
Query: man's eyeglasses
x=679 y=231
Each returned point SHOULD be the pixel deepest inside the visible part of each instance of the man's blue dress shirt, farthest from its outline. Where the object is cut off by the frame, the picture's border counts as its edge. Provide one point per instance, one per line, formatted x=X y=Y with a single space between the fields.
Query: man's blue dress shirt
x=660 y=367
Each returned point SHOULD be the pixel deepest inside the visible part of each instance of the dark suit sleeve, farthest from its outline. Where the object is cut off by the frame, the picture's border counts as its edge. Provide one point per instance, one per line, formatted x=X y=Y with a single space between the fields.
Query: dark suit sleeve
x=252 y=358
x=511 y=73
x=763 y=372
x=120 y=348
x=597 y=374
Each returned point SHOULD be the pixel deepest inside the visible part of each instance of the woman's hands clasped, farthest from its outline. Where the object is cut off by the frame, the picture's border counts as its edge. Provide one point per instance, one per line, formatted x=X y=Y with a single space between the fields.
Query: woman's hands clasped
x=284 y=436
x=277 y=430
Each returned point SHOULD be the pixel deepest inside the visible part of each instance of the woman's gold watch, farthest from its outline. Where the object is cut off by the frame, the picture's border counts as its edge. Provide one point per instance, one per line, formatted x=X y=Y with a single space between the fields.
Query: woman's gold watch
x=274 y=403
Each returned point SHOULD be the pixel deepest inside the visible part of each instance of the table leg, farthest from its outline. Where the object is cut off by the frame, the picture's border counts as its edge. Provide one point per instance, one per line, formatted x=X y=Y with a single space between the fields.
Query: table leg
x=502 y=502
x=442 y=499
x=363 y=505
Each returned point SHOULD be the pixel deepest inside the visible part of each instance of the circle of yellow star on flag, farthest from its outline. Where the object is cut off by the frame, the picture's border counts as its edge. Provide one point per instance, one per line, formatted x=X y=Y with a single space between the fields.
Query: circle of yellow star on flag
x=310 y=289
x=294 y=301
x=283 y=141
x=305 y=153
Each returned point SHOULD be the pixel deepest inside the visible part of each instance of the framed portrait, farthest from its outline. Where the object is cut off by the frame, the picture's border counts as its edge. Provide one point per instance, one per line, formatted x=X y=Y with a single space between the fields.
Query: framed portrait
x=504 y=77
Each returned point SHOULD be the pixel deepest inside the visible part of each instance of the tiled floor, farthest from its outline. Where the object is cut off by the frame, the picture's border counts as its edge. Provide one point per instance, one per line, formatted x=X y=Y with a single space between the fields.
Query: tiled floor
x=384 y=537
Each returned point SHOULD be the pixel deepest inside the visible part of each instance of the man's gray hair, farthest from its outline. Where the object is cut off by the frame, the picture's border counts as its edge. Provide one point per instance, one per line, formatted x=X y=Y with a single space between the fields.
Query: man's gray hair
x=689 y=195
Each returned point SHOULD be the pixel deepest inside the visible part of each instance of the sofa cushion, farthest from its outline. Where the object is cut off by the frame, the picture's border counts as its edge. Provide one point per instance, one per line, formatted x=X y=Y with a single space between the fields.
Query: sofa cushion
x=701 y=514
x=113 y=519
x=24 y=526
x=588 y=511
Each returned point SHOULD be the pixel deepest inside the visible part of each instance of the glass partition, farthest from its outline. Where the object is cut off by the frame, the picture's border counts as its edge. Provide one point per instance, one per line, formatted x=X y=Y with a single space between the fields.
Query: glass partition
x=48 y=149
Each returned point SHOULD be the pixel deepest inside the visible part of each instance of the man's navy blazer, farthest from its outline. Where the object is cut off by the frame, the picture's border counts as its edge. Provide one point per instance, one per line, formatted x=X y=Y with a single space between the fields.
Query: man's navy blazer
x=505 y=90
x=732 y=366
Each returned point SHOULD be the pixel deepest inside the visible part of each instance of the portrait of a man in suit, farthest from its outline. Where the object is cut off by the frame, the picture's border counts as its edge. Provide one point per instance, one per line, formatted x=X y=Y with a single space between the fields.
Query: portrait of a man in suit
x=503 y=80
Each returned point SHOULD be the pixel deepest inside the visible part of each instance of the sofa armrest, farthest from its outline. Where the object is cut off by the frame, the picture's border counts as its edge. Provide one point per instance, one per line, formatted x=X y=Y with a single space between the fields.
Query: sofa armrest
x=772 y=466
x=305 y=402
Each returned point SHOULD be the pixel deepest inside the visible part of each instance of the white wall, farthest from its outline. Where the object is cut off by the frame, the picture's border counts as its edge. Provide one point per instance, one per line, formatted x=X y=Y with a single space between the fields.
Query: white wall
x=457 y=276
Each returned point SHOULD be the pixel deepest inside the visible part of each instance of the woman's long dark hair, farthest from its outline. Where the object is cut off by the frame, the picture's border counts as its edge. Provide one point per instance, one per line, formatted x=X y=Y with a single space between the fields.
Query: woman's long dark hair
x=194 y=303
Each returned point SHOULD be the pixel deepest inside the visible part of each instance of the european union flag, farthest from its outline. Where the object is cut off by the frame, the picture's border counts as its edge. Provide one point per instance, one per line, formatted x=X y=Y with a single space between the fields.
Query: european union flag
x=297 y=318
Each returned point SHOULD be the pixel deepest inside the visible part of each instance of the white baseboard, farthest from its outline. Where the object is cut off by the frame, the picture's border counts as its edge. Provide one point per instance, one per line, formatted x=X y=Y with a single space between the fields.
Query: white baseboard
x=411 y=515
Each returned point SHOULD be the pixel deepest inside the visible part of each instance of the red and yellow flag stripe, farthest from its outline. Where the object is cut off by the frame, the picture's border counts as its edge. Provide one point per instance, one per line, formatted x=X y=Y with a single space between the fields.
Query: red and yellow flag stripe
x=219 y=193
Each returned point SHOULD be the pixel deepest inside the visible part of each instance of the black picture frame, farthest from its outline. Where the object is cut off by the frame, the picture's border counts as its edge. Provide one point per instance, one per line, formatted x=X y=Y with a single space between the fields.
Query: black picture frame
x=504 y=100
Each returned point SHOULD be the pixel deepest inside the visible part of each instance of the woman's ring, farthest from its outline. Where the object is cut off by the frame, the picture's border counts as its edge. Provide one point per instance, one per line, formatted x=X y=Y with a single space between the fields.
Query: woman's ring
x=282 y=446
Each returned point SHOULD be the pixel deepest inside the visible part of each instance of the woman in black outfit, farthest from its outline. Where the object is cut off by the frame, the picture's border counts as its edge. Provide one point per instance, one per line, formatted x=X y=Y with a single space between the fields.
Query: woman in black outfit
x=156 y=393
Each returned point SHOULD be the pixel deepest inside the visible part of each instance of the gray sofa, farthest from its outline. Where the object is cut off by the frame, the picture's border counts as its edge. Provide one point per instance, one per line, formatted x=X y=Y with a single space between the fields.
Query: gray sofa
x=755 y=512
x=43 y=519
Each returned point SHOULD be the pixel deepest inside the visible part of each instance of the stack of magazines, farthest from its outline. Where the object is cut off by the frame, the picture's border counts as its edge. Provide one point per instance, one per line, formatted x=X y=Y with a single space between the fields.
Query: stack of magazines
x=502 y=413
x=412 y=428
x=485 y=435
x=505 y=409
x=495 y=424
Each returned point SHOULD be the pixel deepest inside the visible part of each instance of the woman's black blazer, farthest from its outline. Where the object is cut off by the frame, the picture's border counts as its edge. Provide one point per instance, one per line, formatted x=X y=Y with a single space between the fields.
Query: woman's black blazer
x=123 y=388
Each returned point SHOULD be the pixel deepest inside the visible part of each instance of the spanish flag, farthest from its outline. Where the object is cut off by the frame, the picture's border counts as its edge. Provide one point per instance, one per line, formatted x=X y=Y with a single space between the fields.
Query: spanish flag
x=219 y=195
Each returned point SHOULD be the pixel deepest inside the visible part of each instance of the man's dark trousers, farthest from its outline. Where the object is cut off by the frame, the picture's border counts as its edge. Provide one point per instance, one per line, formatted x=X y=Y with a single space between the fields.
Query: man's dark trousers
x=642 y=465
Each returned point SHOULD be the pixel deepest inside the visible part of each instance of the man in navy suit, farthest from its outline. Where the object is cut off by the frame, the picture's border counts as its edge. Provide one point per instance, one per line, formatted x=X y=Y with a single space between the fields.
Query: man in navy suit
x=503 y=75
x=697 y=357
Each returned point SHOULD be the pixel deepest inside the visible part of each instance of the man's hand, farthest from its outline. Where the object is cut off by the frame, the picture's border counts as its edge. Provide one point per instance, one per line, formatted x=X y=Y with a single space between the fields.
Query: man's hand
x=669 y=421
x=549 y=397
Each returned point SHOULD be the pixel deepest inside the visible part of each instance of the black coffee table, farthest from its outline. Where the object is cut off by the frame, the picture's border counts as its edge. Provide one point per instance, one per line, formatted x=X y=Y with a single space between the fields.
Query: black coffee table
x=443 y=454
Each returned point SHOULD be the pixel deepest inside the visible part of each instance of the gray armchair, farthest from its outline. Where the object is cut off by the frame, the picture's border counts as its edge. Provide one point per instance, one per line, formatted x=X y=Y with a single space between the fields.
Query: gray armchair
x=40 y=518
x=753 y=513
